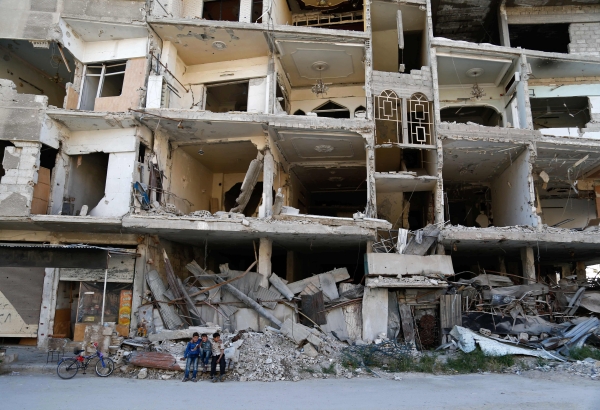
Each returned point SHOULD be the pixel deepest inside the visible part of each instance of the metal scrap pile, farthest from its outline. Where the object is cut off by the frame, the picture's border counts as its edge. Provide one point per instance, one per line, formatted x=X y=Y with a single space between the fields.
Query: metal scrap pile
x=533 y=319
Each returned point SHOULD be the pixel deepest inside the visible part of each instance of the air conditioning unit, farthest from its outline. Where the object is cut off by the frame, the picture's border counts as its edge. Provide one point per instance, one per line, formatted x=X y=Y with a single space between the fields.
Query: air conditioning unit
x=511 y=86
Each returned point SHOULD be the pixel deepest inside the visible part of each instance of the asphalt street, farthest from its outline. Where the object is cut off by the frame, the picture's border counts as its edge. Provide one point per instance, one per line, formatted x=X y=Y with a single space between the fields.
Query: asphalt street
x=491 y=391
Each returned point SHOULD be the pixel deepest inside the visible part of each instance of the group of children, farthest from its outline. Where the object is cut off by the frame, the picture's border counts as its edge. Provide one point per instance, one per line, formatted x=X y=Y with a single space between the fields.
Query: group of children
x=200 y=348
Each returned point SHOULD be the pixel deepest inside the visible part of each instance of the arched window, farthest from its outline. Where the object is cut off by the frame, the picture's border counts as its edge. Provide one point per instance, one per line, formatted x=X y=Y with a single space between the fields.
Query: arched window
x=361 y=111
x=388 y=117
x=332 y=110
x=420 y=120
x=299 y=112
x=479 y=114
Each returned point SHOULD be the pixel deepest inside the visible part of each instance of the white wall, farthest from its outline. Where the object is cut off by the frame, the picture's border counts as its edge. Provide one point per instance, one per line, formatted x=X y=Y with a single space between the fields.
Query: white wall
x=512 y=198
x=557 y=210
x=280 y=12
x=119 y=179
x=85 y=142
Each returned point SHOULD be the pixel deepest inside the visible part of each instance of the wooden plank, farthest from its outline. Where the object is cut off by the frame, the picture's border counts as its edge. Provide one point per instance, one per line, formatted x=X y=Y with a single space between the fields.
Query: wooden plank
x=430 y=235
x=313 y=307
x=408 y=329
x=450 y=312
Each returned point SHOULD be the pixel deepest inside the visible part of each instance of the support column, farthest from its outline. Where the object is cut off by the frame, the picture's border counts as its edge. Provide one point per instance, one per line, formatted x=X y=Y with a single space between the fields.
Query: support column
x=290 y=266
x=528 y=261
x=265 y=250
x=501 y=264
x=503 y=26
x=371 y=210
x=565 y=270
x=580 y=271
x=139 y=286
x=48 y=308
x=268 y=170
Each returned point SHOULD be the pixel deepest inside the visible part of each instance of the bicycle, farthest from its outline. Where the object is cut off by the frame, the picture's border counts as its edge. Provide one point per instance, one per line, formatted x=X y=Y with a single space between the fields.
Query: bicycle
x=68 y=368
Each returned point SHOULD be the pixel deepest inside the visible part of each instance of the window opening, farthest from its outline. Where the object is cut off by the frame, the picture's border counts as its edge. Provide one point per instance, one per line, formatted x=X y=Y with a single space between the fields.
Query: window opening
x=299 y=112
x=222 y=10
x=481 y=115
x=3 y=145
x=420 y=120
x=101 y=80
x=553 y=38
x=332 y=110
x=388 y=117
x=225 y=97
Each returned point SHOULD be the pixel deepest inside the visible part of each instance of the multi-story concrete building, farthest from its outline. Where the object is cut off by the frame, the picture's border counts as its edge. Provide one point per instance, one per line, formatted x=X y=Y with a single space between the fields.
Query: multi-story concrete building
x=299 y=131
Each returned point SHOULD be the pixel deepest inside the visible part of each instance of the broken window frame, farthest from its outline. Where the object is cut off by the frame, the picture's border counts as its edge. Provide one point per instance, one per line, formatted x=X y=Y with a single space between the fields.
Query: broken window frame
x=103 y=74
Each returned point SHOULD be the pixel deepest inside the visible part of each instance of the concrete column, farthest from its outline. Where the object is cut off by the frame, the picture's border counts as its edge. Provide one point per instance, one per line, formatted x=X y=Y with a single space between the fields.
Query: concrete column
x=597 y=193
x=290 y=266
x=371 y=211
x=580 y=271
x=48 y=308
x=268 y=171
x=374 y=313
x=265 y=250
x=523 y=103
x=565 y=270
x=139 y=285
x=528 y=261
x=246 y=11
x=503 y=26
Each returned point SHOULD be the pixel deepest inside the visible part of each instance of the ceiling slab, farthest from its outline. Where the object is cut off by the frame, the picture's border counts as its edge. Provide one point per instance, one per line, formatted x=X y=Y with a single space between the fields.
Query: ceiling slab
x=319 y=147
x=91 y=121
x=477 y=161
x=456 y=69
x=557 y=160
x=343 y=62
x=201 y=45
x=228 y=157
x=89 y=30
x=562 y=68
x=320 y=179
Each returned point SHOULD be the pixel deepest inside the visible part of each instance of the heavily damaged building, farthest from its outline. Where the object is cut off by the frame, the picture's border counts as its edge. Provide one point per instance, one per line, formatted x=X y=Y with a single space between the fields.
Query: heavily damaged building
x=354 y=165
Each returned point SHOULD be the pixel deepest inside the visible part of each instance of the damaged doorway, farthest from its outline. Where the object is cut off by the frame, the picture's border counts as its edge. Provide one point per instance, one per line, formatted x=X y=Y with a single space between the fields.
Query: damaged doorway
x=86 y=182
x=225 y=97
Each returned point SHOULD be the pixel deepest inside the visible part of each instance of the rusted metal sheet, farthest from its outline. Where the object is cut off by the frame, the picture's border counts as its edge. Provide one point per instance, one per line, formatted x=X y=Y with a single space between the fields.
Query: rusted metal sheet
x=155 y=360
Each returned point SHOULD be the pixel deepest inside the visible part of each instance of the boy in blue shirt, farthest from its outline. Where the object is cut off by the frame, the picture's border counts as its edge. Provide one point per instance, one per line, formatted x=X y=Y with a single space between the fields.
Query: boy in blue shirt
x=192 y=352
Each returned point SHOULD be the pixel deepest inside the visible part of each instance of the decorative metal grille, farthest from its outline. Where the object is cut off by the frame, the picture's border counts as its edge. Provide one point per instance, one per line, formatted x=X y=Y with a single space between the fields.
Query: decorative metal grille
x=420 y=121
x=388 y=107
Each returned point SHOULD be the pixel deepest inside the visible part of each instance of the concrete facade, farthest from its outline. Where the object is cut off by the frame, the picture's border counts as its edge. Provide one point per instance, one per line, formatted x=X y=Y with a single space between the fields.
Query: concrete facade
x=174 y=115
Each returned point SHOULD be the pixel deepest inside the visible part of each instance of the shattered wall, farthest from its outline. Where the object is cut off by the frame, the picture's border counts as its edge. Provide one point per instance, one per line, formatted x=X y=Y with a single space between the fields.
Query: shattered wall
x=21 y=164
x=405 y=85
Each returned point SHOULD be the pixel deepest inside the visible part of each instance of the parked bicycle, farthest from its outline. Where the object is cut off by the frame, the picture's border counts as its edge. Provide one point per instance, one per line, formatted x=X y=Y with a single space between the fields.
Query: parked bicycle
x=68 y=368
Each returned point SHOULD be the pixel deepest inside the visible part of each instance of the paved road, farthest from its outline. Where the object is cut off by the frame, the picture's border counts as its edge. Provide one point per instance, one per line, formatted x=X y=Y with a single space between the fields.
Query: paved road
x=89 y=392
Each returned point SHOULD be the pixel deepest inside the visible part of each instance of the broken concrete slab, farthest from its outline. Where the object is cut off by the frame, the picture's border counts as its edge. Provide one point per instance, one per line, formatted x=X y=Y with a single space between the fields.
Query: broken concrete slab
x=422 y=241
x=391 y=264
x=328 y=287
x=339 y=275
x=182 y=333
x=374 y=313
x=281 y=286
x=300 y=333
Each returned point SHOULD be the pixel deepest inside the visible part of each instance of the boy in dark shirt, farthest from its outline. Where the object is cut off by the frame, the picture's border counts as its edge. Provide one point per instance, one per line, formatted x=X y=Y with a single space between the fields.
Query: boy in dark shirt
x=205 y=350
x=192 y=352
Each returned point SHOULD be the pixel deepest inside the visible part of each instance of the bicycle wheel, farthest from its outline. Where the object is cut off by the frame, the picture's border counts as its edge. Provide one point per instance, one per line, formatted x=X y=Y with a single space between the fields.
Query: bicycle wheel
x=67 y=368
x=107 y=369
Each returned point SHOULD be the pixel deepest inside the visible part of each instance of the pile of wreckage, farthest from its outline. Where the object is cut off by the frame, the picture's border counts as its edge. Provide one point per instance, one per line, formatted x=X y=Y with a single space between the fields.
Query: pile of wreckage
x=533 y=319
x=271 y=344
x=409 y=295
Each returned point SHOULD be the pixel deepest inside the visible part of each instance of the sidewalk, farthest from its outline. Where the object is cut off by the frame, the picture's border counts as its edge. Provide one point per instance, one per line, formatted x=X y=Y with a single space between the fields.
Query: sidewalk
x=30 y=359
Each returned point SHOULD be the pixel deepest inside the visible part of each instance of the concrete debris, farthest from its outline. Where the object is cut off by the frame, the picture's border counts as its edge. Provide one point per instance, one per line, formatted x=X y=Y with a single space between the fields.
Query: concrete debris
x=339 y=275
x=143 y=373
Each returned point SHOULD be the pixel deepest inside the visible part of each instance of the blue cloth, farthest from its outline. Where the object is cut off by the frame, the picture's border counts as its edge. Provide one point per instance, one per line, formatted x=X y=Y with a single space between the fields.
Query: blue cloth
x=192 y=349
x=191 y=362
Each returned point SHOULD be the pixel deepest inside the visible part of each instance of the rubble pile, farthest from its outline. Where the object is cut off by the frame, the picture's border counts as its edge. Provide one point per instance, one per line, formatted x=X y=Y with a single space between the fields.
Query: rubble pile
x=270 y=356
